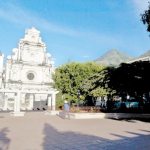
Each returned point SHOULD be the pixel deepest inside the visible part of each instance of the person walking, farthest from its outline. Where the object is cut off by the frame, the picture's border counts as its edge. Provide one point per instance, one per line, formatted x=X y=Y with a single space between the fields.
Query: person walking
x=66 y=109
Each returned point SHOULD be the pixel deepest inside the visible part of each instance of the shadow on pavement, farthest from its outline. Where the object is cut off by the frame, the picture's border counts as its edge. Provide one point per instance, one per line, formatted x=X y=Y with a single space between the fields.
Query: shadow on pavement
x=56 y=140
x=4 y=140
x=133 y=120
x=146 y=131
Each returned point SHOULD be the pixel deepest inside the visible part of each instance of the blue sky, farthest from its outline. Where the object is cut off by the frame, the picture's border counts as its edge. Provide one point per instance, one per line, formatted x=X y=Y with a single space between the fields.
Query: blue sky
x=76 y=30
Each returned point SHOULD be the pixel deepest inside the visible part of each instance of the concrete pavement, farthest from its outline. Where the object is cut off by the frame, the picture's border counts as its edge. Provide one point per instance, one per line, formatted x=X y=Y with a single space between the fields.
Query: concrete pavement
x=36 y=131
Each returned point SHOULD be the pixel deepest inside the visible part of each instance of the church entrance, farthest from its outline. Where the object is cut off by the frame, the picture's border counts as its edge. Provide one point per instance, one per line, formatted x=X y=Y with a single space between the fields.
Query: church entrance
x=32 y=101
x=40 y=102
x=40 y=105
x=20 y=101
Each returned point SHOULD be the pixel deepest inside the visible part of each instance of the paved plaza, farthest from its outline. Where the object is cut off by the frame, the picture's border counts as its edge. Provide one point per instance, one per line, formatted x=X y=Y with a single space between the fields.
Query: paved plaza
x=36 y=131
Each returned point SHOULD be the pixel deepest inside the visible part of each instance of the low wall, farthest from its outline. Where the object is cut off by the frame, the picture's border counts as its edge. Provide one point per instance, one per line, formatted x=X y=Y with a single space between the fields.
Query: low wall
x=127 y=116
x=82 y=115
x=103 y=115
x=87 y=115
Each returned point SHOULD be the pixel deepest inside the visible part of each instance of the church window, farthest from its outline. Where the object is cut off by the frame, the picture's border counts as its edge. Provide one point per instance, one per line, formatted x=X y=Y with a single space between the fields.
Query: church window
x=30 y=76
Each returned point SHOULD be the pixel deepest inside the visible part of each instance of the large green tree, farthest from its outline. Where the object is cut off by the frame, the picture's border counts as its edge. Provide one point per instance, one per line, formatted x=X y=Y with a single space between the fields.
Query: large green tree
x=132 y=79
x=69 y=78
x=146 y=18
x=94 y=85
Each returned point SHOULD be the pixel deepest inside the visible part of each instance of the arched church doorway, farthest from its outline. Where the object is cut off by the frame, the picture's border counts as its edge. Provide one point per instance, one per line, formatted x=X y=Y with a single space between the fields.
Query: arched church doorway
x=40 y=102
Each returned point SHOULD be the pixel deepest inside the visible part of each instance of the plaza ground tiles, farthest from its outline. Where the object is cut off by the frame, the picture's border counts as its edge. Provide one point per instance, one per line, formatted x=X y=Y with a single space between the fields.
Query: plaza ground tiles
x=37 y=131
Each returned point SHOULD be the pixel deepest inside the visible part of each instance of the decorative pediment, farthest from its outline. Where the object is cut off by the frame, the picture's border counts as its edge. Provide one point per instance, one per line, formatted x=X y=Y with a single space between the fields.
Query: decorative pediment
x=32 y=35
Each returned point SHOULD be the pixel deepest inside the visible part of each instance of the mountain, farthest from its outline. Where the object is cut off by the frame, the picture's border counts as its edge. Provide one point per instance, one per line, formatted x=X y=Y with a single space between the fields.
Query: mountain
x=113 y=58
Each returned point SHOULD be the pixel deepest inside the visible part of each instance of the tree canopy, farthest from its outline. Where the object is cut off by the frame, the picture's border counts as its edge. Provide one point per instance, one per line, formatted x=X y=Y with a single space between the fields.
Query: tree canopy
x=132 y=79
x=69 y=78
x=146 y=18
x=89 y=80
x=94 y=85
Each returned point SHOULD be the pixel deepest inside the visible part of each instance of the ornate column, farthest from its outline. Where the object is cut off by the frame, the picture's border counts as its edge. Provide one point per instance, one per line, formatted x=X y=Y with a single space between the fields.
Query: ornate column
x=5 y=102
x=31 y=102
x=52 y=104
x=1 y=69
x=17 y=105
x=53 y=101
x=49 y=103
x=17 y=102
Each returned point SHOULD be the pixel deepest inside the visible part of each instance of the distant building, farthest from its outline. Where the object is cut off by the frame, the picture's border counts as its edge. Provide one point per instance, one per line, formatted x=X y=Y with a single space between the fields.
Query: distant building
x=144 y=58
x=26 y=77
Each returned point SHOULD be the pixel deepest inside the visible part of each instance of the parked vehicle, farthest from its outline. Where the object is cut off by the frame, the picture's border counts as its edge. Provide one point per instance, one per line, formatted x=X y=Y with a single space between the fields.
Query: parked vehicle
x=132 y=103
x=117 y=104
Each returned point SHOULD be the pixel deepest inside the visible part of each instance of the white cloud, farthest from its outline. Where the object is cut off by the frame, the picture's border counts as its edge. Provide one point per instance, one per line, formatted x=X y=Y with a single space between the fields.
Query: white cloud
x=20 y=16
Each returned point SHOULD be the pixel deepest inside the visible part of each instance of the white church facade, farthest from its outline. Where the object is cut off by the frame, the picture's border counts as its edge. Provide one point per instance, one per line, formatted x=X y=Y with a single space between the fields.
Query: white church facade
x=26 y=76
